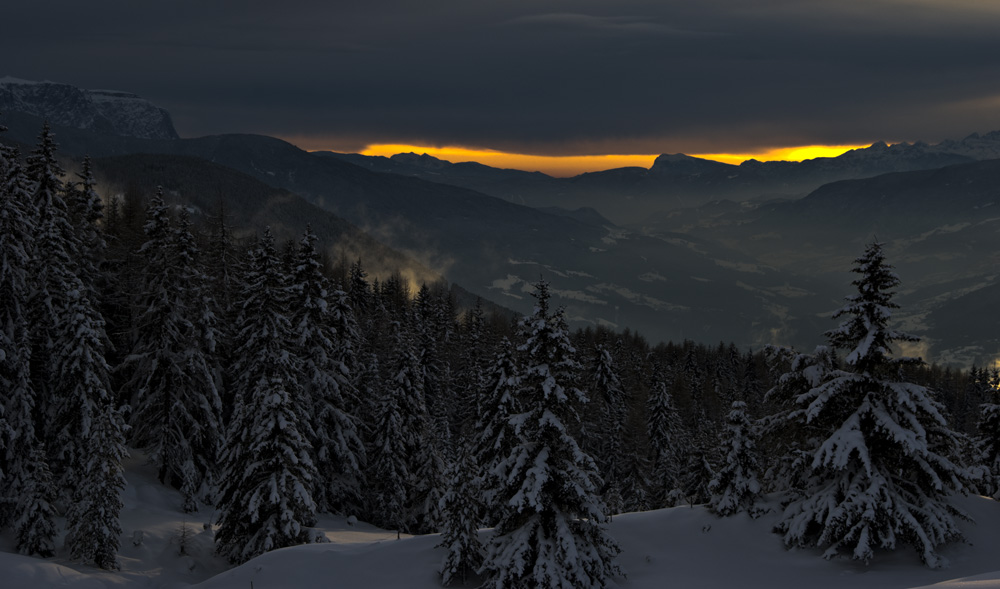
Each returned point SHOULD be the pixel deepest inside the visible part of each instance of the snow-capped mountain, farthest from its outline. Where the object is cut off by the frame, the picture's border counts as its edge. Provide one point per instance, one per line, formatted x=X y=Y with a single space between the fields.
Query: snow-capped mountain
x=104 y=111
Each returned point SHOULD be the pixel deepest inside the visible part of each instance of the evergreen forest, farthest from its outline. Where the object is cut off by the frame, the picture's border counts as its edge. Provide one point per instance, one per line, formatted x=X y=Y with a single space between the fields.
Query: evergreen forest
x=272 y=381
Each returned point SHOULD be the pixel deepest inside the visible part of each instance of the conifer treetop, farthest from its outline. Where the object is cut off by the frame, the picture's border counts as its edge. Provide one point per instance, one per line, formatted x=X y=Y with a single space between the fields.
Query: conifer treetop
x=865 y=334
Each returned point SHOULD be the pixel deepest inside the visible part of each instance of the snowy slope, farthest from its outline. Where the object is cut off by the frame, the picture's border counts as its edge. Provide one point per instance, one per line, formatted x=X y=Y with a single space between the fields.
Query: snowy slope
x=681 y=547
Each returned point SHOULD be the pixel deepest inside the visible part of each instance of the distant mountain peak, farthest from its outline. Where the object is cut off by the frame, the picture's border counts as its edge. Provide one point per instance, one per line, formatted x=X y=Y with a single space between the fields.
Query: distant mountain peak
x=679 y=163
x=415 y=158
x=676 y=157
x=105 y=111
x=13 y=80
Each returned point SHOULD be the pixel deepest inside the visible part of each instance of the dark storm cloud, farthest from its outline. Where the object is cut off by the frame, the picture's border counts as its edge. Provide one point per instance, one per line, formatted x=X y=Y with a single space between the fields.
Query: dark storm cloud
x=539 y=76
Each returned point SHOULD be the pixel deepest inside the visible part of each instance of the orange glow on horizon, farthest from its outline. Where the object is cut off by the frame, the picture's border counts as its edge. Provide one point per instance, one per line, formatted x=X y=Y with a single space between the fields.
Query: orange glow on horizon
x=560 y=166
x=791 y=154
x=564 y=166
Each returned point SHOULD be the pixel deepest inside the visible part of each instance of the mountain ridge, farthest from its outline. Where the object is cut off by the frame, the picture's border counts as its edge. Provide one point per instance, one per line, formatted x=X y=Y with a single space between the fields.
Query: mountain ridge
x=662 y=279
x=629 y=195
x=103 y=111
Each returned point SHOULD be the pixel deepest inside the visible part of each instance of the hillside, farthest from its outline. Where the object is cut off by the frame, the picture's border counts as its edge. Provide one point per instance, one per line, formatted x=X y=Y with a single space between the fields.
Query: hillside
x=668 y=287
x=940 y=228
x=250 y=206
x=678 y=547
x=630 y=195
x=752 y=272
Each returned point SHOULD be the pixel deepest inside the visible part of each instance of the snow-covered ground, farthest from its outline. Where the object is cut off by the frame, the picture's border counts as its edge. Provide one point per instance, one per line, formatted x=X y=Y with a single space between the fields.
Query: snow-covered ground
x=681 y=547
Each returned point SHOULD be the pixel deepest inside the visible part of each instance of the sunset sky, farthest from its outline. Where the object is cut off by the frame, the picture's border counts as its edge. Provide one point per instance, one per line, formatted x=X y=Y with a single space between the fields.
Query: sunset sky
x=733 y=78
x=571 y=165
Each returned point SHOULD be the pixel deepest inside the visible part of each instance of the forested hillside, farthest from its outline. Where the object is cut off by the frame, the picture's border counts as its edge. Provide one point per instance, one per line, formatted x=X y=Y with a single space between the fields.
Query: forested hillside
x=275 y=385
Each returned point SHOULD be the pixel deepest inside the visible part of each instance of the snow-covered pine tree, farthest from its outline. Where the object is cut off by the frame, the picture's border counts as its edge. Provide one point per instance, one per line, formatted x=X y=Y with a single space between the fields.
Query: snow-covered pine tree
x=264 y=499
x=223 y=268
x=206 y=432
x=422 y=446
x=70 y=372
x=388 y=466
x=789 y=440
x=497 y=437
x=359 y=292
x=636 y=494
x=17 y=403
x=460 y=510
x=666 y=440
x=697 y=473
x=428 y=486
x=221 y=259
x=36 y=512
x=609 y=406
x=475 y=353
x=750 y=387
x=552 y=532
x=54 y=275
x=176 y=408
x=736 y=487
x=93 y=530
x=432 y=327
x=882 y=475
x=90 y=432
x=368 y=382
x=121 y=270
x=85 y=212
x=989 y=439
x=324 y=327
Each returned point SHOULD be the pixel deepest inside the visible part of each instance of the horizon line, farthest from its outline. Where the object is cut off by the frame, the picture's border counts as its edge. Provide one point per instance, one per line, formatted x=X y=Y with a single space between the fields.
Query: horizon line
x=574 y=165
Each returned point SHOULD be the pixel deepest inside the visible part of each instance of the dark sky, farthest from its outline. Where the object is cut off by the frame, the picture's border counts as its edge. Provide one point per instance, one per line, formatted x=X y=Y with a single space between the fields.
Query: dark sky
x=533 y=76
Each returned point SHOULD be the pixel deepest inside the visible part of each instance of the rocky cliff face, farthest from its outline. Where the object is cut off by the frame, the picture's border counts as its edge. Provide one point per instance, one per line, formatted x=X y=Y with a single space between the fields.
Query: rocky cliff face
x=103 y=111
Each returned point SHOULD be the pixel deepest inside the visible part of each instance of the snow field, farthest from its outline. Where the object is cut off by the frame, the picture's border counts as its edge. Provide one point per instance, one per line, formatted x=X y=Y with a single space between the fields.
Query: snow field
x=682 y=547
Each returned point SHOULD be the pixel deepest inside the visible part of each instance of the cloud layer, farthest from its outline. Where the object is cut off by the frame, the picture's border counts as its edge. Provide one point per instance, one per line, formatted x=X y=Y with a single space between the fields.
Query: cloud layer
x=543 y=77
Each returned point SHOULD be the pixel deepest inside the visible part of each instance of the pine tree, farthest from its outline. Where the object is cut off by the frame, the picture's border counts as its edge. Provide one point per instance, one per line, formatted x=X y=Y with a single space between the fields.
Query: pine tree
x=85 y=213
x=17 y=404
x=70 y=372
x=421 y=446
x=69 y=369
x=359 y=292
x=121 y=277
x=202 y=418
x=223 y=269
x=474 y=356
x=93 y=530
x=264 y=499
x=390 y=477
x=460 y=526
x=497 y=437
x=35 y=525
x=90 y=434
x=428 y=486
x=551 y=533
x=698 y=472
x=666 y=440
x=432 y=327
x=790 y=439
x=54 y=276
x=735 y=487
x=176 y=408
x=989 y=438
x=610 y=403
x=324 y=327
x=882 y=474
